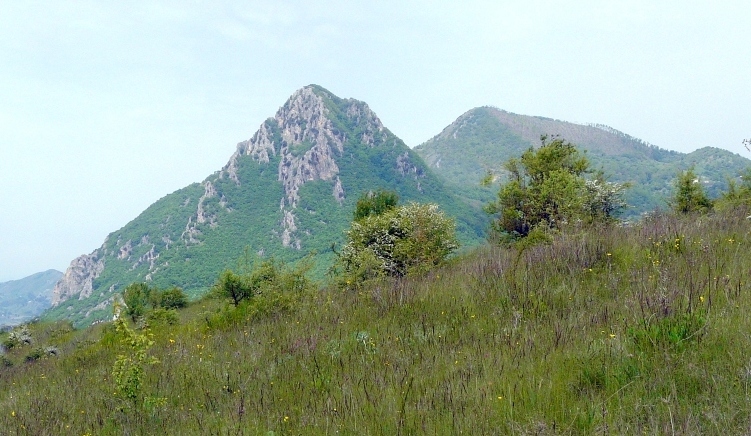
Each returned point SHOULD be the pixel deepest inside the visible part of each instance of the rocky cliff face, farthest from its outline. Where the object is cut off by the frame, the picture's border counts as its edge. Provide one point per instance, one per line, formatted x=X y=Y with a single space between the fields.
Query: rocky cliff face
x=78 y=279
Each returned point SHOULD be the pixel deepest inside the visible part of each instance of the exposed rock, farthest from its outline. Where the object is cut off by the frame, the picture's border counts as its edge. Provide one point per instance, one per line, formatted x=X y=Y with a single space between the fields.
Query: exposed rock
x=338 y=191
x=125 y=250
x=79 y=278
x=201 y=217
x=406 y=167
x=289 y=228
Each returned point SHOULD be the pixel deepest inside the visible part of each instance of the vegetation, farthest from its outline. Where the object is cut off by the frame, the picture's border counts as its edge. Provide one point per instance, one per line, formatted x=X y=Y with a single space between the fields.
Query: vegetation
x=375 y=203
x=689 y=194
x=638 y=329
x=484 y=138
x=141 y=299
x=546 y=189
x=398 y=241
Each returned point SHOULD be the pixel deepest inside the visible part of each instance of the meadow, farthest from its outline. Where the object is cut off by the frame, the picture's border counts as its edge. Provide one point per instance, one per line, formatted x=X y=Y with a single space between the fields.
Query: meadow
x=639 y=329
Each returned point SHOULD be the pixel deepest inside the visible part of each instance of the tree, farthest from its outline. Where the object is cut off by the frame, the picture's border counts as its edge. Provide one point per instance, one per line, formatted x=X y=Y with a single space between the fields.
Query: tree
x=375 y=203
x=397 y=242
x=737 y=193
x=137 y=300
x=233 y=286
x=689 y=194
x=545 y=188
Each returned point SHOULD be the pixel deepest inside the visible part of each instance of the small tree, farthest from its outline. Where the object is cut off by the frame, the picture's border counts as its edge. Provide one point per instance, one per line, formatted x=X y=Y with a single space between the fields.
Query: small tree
x=603 y=200
x=689 y=194
x=375 y=203
x=233 y=286
x=737 y=194
x=545 y=188
x=137 y=300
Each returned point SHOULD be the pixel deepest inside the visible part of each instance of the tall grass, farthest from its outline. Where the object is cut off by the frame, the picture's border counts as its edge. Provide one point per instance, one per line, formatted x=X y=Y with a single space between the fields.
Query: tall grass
x=626 y=330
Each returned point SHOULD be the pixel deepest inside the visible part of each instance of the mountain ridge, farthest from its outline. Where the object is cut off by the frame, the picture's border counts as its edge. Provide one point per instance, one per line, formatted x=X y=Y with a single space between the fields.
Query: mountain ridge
x=482 y=139
x=26 y=298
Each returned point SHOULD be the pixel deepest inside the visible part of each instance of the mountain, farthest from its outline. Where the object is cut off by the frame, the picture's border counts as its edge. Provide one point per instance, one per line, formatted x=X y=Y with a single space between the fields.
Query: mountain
x=484 y=138
x=287 y=191
x=24 y=299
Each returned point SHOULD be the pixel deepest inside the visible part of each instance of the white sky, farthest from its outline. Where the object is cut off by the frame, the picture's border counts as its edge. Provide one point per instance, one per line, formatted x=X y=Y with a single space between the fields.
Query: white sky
x=107 y=106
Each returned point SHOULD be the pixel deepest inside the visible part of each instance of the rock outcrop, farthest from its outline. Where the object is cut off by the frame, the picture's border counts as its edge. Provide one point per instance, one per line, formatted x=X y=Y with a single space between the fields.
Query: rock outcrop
x=78 y=279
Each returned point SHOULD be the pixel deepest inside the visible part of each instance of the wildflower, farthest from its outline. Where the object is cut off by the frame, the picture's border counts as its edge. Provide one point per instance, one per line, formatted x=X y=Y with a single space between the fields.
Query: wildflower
x=286 y=418
x=13 y=413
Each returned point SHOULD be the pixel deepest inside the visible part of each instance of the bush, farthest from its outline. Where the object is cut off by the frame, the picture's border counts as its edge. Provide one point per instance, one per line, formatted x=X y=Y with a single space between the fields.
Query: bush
x=406 y=239
x=173 y=298
x=162 y=316
x=140 y=300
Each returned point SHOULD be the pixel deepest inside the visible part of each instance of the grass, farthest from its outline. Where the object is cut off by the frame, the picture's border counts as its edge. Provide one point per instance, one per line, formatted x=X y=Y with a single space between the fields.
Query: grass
x=614 y=330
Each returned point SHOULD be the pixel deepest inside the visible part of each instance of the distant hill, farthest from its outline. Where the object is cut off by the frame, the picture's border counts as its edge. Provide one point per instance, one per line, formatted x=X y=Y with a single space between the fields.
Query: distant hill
x=484 y=138
x=24 y=299
x=288 y=191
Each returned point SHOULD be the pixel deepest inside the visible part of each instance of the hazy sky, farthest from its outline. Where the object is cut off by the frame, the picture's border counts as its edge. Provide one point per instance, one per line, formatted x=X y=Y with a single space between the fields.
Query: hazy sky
x=105 y=107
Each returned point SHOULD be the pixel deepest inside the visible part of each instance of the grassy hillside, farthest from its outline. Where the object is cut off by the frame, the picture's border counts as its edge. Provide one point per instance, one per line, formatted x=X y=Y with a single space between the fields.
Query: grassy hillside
x=484 y=138
x=614 y=330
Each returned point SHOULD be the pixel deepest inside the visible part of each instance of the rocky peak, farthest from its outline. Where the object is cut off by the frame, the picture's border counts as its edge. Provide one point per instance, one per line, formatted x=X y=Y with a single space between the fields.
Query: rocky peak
x=304 y=137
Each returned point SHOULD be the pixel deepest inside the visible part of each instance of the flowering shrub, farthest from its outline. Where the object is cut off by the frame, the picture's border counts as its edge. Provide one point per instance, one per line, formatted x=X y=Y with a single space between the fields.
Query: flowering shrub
x=402 y=240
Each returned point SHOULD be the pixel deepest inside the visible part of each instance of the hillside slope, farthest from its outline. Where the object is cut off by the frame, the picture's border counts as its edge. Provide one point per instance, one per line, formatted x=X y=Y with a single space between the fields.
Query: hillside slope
x=637 y=329
x=288 y=191
x=22 y=300
x=484 y=138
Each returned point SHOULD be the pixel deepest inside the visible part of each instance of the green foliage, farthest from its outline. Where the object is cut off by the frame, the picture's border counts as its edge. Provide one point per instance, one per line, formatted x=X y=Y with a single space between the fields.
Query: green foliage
x=689 y=195
x=402 y=240
x=137 y=300
x=375 y=203
x=141 y=301
x=233 y=286
x=738 y=194
x=269 y=277
x=545 y=188
x=128 y=371
x=173 y=298
x=639 y=329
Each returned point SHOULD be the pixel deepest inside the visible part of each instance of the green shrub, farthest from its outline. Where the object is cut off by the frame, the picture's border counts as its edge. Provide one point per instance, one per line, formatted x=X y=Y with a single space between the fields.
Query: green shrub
x=406 y=239
x=162 y=316
x=689 y=194
x=173 y=298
